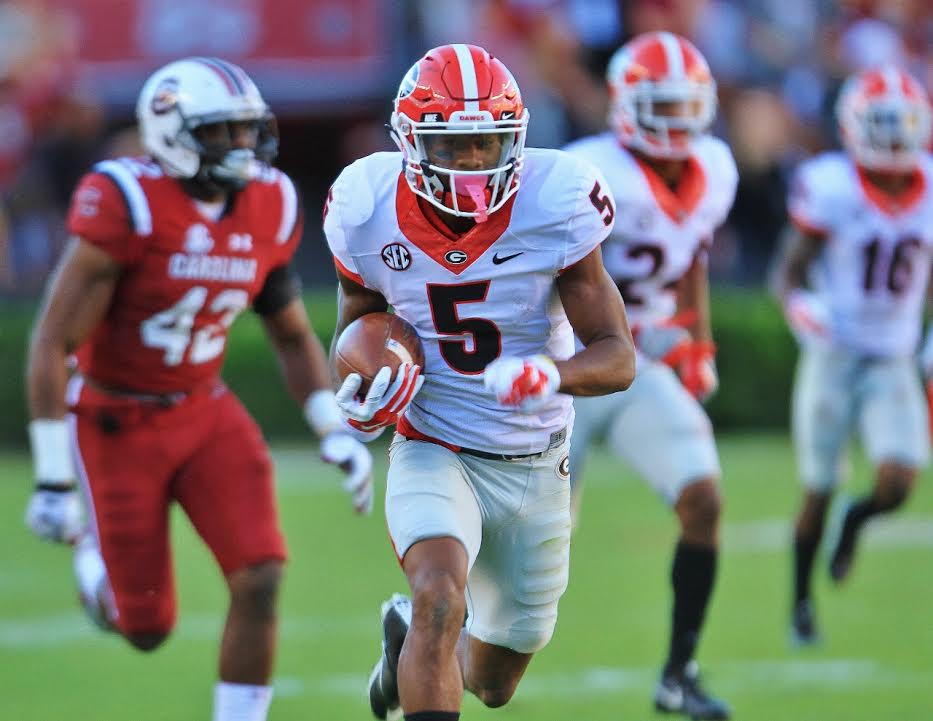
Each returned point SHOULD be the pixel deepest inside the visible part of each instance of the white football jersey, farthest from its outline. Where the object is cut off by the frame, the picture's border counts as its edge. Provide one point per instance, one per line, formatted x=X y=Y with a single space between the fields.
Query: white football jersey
x=875 y=264
x=657 y=233
x=489 y=293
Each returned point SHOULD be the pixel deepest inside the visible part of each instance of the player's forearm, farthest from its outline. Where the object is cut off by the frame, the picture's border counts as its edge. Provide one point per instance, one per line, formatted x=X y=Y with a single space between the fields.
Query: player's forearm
x=304 y=367
x=800 y=251
x=46 y=378
x=792 y=275
x=693 y=300
x=353 y=301
x=605 y=366
x=303 y=364
x=701 y=328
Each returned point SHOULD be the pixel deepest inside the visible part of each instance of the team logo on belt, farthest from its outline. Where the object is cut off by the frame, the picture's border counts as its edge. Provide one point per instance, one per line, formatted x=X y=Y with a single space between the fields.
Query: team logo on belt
x=563 y=468
x=396 y=256
x=456 y=257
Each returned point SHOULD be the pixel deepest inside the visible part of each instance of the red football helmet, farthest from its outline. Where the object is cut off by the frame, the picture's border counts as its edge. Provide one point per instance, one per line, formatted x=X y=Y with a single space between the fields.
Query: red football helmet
x=460 y=90
x=662 y=94
x=884 y=119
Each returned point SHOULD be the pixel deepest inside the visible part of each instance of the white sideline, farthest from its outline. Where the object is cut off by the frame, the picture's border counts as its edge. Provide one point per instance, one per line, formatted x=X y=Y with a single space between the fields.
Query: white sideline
x=774 y=534
x=769 y=676
x=74 y=628
x=298 y=475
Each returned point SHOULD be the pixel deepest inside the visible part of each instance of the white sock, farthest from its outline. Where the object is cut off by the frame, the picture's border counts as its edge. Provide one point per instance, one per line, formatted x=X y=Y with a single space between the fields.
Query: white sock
x=93 y=586
x=241 y=702
x=88 y=565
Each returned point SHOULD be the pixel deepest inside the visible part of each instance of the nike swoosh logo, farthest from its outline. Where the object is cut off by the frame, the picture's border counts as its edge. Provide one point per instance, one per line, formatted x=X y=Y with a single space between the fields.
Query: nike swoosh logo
x=496 y=260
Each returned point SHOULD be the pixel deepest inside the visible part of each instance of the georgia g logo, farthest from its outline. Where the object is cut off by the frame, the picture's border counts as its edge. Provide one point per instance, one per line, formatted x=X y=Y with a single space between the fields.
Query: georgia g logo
x=563 y=467
x=165 y=96
x=455 y=257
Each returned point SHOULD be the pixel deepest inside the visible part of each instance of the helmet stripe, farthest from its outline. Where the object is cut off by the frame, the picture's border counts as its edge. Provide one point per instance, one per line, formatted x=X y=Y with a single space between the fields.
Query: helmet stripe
x=674 y=54
x=467 y=77
x=240 y=79
x=229 y=80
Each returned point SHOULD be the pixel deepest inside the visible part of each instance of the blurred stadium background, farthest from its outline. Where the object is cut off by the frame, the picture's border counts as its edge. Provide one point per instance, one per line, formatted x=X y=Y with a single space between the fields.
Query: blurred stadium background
x=69 y=74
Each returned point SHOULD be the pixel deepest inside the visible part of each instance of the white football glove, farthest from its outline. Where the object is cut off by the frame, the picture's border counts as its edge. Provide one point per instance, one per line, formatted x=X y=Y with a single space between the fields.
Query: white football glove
x=384 y=402
x=525 y=383
x=807 y=315
x=54 y=512
x=661 y=341
x=338 y=446
x=354 y=459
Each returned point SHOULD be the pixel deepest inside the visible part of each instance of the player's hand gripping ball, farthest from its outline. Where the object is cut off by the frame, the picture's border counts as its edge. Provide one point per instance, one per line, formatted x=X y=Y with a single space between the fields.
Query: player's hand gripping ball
x=379 y=358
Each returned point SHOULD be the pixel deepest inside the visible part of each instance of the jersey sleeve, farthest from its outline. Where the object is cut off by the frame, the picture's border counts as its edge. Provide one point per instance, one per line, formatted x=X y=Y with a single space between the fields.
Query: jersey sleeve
x=99 y=214
x=726 y=182
x=290 y=224
x=807 y=202
x=338 y=215
x=593 y=215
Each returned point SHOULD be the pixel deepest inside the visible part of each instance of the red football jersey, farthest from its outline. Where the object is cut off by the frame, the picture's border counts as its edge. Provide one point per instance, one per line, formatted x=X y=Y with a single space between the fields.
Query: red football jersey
x=185 y=277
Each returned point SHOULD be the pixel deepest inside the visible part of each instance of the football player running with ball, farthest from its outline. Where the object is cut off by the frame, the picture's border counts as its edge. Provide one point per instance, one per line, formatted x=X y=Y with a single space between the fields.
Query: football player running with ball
x=167 y=250
x=674 y=184
x=492 y=252
x=853 y=283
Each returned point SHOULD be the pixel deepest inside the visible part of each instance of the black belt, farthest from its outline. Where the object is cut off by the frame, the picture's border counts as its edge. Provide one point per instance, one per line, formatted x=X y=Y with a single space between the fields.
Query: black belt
x=557 y=437
x=162 y=400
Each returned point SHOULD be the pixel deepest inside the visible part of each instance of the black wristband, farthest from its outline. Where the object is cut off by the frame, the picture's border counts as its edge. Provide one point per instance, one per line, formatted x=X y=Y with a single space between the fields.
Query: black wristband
x=55 y=487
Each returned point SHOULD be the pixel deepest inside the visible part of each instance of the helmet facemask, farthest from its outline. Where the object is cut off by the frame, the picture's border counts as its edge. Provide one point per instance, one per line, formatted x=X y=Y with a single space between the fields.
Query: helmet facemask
x=662 y=119
x=222 y=164
x=463 y=193
x=888 y=135
x=192 y=115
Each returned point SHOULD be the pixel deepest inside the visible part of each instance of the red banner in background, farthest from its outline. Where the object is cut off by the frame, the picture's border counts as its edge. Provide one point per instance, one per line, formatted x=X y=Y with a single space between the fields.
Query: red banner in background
x=299 y=51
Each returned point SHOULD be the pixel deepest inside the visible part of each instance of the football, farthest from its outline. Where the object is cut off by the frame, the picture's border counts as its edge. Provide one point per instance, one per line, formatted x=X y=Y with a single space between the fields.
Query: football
x=373 y=341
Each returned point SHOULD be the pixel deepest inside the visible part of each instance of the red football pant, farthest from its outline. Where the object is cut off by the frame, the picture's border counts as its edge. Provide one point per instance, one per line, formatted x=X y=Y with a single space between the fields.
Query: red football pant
x=136 y=458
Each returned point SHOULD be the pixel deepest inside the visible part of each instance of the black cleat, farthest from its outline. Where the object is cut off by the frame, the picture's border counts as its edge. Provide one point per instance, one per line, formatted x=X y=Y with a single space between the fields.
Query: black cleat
x=681 y=692
x=803 y=625
x=843 y=552
x=383 y=684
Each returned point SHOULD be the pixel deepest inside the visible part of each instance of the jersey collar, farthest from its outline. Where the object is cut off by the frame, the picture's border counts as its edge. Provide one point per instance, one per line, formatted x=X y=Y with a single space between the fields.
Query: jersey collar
x=454 y=252
x=677 y=205
x=893 y=204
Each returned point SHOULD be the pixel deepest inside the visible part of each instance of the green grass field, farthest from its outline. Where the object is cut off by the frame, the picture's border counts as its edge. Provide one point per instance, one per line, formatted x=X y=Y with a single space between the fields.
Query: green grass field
x=876 y=663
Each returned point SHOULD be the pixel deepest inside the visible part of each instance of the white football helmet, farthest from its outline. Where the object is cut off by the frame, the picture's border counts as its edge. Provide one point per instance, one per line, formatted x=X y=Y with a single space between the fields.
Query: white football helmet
x=187 y=94
x=457 y=90
x=662 y=94
x=884 y=119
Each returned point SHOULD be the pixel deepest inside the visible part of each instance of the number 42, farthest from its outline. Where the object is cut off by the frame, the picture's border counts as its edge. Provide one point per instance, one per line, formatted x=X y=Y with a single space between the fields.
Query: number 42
x=171 y=329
